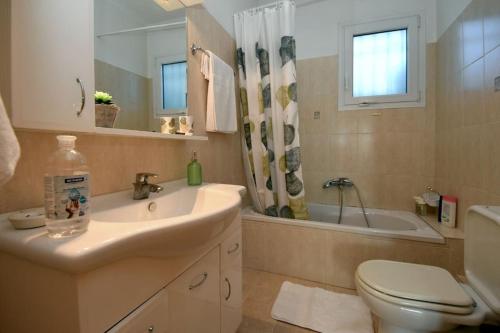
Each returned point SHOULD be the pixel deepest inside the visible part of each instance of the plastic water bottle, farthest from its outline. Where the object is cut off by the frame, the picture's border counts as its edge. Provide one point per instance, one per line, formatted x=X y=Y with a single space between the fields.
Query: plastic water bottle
x=67 y=192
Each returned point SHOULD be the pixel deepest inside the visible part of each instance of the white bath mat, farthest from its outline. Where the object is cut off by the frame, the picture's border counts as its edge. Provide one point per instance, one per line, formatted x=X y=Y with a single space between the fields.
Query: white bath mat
x=321 y=310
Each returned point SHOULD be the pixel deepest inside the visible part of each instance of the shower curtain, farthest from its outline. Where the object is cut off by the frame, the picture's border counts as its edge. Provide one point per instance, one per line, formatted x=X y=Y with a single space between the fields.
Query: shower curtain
x=268 y=93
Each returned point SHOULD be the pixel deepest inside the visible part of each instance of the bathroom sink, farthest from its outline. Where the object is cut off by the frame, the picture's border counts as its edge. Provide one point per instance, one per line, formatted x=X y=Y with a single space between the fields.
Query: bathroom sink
x=173 y=202
x=173 y=222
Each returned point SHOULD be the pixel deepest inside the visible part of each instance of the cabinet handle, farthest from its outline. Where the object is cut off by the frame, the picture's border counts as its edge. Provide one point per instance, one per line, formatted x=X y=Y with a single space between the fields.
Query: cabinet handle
x=234 y=249
x=229 y=289
x=203 y=278
x=151 y=329
x=82 y=91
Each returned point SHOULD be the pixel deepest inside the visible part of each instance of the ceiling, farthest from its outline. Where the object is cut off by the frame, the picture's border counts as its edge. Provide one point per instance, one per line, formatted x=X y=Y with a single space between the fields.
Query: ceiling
x=147 y=11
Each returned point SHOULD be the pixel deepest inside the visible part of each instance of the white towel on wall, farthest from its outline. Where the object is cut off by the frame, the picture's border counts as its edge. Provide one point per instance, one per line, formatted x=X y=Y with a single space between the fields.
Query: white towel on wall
x=221 y=99
x=321 y=310
x=9 y=147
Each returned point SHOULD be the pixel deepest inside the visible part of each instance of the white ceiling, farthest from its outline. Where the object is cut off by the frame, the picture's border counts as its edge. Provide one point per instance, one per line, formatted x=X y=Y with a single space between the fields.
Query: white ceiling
x=147 y=11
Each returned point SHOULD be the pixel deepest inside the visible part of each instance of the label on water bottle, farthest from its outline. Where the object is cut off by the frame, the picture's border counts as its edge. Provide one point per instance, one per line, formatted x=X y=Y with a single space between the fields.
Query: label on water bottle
x=67 y=197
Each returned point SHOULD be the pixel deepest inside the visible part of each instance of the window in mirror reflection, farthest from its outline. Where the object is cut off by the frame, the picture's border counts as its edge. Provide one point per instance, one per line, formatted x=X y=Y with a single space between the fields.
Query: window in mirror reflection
x=174 y=86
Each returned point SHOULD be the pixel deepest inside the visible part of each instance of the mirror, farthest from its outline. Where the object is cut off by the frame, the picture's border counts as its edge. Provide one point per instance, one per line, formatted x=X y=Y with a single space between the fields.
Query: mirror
x=140 y=60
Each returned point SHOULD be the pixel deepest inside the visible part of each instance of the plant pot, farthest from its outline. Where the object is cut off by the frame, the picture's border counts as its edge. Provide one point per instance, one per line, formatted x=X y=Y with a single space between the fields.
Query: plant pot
x=105 y=115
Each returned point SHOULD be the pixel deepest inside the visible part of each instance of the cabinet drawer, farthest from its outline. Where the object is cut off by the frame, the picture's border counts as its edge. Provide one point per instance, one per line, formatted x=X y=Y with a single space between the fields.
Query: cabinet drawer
x=194 y=297
x=150 y=317
x=231 y=249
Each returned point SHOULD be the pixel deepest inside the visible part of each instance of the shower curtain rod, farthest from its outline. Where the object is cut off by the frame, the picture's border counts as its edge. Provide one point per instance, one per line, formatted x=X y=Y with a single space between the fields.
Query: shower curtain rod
x=276 y=3
x=165 y=26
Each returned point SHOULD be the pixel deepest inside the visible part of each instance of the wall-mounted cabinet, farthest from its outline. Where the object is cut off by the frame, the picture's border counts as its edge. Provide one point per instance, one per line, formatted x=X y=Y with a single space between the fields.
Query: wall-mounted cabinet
x=52 y=48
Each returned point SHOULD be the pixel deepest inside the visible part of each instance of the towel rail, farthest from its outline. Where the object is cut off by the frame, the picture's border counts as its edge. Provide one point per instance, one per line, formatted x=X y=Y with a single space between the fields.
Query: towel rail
x=195 y=49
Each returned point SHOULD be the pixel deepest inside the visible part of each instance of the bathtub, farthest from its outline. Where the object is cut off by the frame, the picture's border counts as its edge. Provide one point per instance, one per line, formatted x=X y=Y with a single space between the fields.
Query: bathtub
x=384 y=223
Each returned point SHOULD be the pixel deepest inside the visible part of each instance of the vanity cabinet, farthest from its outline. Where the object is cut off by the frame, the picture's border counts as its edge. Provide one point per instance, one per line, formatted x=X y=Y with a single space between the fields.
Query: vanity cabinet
x=150 y=317
x=52 y=65
x=206 y=298
x=194 y=297
x=231 y=283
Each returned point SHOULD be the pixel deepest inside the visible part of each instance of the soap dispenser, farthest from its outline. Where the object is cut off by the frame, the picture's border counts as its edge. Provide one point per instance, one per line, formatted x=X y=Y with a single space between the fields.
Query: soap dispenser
x=194 y=176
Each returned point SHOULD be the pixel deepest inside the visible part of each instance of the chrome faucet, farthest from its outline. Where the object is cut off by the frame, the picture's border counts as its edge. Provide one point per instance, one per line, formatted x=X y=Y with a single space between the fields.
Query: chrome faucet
x=338 y=182
x=141 y=186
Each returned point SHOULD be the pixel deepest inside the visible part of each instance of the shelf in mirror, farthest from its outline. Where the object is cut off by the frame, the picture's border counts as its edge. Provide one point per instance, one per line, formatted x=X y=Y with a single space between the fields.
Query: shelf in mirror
x=145 y=134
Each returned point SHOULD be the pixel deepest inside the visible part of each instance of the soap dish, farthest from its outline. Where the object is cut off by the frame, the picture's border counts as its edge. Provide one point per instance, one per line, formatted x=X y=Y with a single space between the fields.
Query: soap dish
x=27 y=219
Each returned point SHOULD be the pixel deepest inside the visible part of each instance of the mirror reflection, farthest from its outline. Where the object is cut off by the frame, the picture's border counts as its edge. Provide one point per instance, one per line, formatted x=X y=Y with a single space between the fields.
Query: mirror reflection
x=140 y=63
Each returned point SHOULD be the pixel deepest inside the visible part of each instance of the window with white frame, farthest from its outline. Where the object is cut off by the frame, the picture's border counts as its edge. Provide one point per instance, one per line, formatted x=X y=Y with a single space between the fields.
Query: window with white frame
x=170 y=86
x=382 y=64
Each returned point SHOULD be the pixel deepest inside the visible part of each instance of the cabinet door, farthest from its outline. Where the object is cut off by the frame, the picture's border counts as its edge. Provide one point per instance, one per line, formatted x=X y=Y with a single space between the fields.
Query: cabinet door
x=231 y=283
x=52 y=47
x=194 y=297
x=150 y=317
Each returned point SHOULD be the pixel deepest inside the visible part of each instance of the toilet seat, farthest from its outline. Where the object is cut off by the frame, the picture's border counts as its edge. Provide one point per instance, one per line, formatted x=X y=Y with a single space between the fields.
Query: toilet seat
x=458 y=310
x=419 y=286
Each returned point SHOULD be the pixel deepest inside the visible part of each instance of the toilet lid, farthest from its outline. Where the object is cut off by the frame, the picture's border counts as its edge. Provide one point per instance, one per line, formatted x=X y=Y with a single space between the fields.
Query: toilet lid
x=414 y=282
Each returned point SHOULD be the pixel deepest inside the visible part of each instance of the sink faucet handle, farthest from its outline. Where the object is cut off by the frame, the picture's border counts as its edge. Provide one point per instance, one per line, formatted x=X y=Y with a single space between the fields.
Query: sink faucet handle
x=142 y=177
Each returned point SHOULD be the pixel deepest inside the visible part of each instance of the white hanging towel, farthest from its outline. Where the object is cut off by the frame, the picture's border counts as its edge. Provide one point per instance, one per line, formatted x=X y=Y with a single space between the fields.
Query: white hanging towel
x=221 y=99
x=9 y=147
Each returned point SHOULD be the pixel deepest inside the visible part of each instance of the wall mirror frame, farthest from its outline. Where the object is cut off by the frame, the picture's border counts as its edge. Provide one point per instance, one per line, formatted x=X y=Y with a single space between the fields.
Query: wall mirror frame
x=62 y=91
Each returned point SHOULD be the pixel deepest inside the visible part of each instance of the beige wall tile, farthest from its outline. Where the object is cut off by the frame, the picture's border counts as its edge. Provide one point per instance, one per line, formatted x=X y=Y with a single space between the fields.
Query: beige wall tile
x=467 y=163
x=315 y=152
x=332 y=257
x=372 y=153
x=474 y=93
x=396 y=191
x=344 y=122
x=370 y=122
x=492 y=97
x=474 y=165
x=399 y=153
x=366 y=145
x=343 y=151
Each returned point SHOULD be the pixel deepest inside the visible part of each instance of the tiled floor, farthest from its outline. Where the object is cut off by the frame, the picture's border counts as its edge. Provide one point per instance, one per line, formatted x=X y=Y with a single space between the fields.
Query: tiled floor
x=260 y=289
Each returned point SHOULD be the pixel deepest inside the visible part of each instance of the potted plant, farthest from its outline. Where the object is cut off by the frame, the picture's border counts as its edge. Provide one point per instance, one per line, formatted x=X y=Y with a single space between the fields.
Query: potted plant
x=105 y=109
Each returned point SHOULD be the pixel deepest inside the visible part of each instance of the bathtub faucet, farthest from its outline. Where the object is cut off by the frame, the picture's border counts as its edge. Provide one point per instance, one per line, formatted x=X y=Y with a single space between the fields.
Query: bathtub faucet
x=338 y=182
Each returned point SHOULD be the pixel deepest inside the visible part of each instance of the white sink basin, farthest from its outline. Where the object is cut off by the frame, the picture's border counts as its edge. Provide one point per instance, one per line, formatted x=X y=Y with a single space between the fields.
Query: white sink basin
x=185 y=219
x=172 y=202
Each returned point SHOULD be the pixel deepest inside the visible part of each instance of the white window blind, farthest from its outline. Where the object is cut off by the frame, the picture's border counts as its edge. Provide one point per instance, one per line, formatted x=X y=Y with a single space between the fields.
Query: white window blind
x=174 y=80
x=379 y=64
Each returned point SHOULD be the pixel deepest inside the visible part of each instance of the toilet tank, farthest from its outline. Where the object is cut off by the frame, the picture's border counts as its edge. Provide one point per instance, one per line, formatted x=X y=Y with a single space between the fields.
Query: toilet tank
x=482 y=253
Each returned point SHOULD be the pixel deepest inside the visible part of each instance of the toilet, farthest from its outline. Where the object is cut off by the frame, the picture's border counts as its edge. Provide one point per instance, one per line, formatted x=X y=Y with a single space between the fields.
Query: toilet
x=420 y=298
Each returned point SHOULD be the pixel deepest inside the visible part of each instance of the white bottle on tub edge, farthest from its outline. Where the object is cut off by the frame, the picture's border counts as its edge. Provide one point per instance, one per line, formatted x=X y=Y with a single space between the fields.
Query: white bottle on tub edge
x=67 y=190
x=449 y=211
